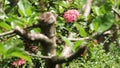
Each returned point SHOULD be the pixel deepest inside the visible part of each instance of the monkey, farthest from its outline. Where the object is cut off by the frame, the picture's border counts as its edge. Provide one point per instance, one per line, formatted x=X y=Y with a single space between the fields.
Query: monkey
x=48 y=24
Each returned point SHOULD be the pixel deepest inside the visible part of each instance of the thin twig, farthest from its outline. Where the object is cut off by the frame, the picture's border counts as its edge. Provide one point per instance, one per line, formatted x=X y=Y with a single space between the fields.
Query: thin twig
x=39 y=56
x=13 y=31
x=78 y=39
x=7 y=33
x=116 y=12
x=85 y=38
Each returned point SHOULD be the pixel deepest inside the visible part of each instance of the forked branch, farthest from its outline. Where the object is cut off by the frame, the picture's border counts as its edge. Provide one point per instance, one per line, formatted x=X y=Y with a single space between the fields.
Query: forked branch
x=32 y=36
x=59 y=60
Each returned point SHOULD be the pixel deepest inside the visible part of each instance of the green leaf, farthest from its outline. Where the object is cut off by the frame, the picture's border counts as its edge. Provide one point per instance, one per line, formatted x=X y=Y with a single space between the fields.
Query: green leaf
x=96 y=10
x=61 y=9
x=107 y=22
x=2 y=49
x=102 y=23
x=12 y=43
x=104 y=26
x=21 y=8
x=64 y=4
x=81 y=30
x=78 y=44
x=95 y=24
x=0 y=31
x=24 y=8
x=5 y=25
x=68 y=42
x=12 y=48
x=17 y=52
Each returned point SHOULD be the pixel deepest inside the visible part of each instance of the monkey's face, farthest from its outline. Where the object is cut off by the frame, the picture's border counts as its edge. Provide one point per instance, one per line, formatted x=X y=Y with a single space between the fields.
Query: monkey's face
x=48 y=18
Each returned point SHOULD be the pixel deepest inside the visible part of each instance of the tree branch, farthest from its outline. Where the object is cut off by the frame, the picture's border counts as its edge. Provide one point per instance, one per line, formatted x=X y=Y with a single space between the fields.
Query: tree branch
x=59 y=60
x=32 y=36
x=13 y=31
x=78 y=39
x=7 y=33
x=85 y=38
x=87 y=7
x=43 y=57
x=116 y=12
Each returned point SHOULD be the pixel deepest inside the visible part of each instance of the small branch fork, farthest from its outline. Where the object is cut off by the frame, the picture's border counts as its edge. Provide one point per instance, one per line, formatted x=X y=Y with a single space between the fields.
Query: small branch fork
x=59 y=60
x=78 y=53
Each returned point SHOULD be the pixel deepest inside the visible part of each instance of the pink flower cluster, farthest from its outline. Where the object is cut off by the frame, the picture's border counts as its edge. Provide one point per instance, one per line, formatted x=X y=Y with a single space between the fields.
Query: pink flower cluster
x=71 y=15
x=19 y=62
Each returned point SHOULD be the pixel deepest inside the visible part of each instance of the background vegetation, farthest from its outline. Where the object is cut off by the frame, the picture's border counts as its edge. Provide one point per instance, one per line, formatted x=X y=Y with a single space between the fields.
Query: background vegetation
x=101 y=25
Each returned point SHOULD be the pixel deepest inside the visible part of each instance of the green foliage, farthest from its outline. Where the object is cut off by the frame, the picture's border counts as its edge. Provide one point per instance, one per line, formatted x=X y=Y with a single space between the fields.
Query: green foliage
x=97 y=58
x=5 y=26
x=81 y=30
x=66 y=41
x=9 y=49
x=101 y=19
x=25 y=8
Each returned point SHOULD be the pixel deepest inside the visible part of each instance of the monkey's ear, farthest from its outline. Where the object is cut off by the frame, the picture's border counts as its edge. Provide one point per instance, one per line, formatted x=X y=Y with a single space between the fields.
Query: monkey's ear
x=42 y=17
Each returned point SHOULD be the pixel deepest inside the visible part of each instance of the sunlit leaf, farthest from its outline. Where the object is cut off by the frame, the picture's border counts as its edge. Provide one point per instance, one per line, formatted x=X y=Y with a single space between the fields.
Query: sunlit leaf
x=77 y=44
x=106 y=22
x=24 y=8
x=21 y=8
x=95 y=24
x=68 y=42
x=61 y=9
x=81 y=30
x=16 y=52
x=5 y=25
x=64 y=4
x=2 y=49
x=96 y=10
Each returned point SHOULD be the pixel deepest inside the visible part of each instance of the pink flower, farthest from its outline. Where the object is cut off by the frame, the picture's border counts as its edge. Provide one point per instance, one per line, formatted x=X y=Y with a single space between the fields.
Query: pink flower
x=19 y=62
x=71 y=15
